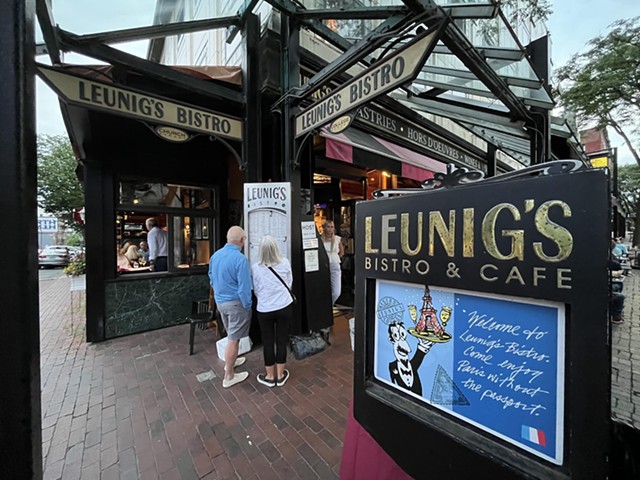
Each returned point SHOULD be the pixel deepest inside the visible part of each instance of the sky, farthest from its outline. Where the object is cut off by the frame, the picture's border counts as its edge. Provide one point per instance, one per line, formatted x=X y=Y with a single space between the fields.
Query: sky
x=575 y=22
x=572 y=24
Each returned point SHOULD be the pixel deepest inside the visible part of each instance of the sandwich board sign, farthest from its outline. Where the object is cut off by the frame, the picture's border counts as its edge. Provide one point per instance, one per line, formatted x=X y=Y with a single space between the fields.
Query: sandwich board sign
x=471 y=303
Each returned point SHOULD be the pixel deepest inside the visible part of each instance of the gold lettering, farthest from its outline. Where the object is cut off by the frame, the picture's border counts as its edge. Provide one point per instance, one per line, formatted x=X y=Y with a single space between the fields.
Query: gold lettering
x=489 y=233
x=514 y=273
x=484 y=268
x=386 y=230
x=562 y=278
x=554 y=232
x=538 y=274
x=367 y=237
x=446 y=234
x=404 y=234
x=467 y=232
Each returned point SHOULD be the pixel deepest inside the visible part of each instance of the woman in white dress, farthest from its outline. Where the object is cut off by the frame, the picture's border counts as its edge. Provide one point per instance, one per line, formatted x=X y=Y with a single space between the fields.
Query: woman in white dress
x=335 y=251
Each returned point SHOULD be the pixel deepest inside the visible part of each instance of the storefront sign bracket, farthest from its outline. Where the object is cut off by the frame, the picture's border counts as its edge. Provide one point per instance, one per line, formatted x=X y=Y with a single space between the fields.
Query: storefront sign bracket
x=242 y=163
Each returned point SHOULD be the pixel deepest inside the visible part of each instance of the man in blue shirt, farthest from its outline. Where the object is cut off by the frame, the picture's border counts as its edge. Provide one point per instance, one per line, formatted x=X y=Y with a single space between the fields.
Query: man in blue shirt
x=230 y=276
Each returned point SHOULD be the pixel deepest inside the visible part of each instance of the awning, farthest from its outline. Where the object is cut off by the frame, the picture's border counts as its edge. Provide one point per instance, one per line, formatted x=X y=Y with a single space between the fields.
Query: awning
x=413 y=165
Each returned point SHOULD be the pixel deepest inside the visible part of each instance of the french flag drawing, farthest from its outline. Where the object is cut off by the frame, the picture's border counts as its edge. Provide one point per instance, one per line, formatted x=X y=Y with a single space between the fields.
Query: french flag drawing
x=534 y=435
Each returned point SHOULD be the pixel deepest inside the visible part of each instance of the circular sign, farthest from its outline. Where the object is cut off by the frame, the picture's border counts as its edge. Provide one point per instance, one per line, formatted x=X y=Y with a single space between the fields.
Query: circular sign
x=340 y=124
x=389 y=310
x=172 y=134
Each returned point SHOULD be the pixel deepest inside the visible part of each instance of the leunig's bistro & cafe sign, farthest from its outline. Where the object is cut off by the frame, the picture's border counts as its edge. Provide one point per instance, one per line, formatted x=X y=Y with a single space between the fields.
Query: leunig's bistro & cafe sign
x=474 y=300
x=126 y=102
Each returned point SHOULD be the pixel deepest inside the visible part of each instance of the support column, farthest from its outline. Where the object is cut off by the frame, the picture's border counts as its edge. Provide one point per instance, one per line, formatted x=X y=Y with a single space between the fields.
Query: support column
x=540 y=135
x=20 y=425
x=540 y=131
x=100 y=240
x=290 y=55
x=252 y=143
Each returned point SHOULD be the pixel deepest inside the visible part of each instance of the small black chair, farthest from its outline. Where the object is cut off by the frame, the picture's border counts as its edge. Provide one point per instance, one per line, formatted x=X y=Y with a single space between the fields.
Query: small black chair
x=203 y=315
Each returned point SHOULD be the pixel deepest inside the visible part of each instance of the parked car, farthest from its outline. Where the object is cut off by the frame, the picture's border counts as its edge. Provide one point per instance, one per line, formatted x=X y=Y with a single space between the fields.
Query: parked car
x=55 y=256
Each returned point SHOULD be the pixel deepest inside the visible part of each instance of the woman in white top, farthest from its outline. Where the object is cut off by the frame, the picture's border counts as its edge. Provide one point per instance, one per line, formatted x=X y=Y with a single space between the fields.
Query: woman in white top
x=333 y=245
x=274 y=309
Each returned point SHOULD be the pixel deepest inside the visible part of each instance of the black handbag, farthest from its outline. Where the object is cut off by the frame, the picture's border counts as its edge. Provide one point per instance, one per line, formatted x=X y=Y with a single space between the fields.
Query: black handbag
x=293 y=297
x=304 y=346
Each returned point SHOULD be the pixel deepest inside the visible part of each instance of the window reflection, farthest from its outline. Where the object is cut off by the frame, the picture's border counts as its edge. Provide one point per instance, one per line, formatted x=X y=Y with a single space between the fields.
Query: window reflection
x=191 y=243
x=141 y=193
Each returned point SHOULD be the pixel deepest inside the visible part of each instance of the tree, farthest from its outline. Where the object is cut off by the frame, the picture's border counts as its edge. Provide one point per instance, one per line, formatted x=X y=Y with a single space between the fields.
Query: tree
x=602 y=86
x=59 y=191
x=629 y=188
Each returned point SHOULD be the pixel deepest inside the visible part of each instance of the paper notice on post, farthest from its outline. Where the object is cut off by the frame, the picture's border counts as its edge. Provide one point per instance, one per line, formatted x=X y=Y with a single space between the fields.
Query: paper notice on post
x=311 y=262
x=308 y=243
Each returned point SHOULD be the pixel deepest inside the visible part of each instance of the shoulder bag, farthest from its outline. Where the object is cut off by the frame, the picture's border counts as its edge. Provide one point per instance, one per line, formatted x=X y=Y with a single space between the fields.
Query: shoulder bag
x=293 y=297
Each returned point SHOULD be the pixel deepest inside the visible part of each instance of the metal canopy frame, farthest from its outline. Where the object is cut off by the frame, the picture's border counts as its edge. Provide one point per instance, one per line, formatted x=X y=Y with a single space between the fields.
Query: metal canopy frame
x=485 y=69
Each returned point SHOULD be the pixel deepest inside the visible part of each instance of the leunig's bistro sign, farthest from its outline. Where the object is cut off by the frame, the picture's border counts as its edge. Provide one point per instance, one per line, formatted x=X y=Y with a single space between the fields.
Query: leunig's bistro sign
x=386 y=75
x=465 y=309
x=95 y=95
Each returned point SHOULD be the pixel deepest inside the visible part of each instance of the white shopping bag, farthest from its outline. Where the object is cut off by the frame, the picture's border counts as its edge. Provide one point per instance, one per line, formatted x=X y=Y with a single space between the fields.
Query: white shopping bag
x=243 y=347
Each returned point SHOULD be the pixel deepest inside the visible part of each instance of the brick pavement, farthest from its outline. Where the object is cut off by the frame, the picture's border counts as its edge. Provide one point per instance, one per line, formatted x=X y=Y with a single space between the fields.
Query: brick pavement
x=133 y=408
x=625 y=361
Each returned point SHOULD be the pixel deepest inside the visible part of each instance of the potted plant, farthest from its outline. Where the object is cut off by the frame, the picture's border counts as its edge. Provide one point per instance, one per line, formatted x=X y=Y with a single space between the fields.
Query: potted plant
x=76 y=270
x=77 y=266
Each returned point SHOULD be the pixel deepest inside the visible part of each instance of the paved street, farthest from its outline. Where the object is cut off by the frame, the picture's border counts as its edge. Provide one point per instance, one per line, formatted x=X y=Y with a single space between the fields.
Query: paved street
x=133 y=408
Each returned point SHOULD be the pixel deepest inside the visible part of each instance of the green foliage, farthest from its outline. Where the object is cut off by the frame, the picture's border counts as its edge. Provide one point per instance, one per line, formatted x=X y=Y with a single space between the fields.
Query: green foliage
x=77 y=266
x=59 y=191
x=629 y=182
x=532 y=10
x=602 y=85
x=75 y=239
x=515 y=12
x=629 y=188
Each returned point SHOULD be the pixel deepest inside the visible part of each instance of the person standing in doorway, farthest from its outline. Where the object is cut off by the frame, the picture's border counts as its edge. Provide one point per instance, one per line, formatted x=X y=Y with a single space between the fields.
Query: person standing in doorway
x=158 y=245
x=272 y=280
x=333 y=245
x=230 y=277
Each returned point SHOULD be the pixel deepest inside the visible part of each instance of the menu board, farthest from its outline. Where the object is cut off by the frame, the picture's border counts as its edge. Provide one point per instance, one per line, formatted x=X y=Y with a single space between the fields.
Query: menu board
x=267 y=210
x=495 y=362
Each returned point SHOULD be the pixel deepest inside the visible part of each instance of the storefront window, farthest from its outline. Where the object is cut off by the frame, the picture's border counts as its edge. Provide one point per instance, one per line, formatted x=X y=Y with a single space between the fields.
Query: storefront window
x=185 y=213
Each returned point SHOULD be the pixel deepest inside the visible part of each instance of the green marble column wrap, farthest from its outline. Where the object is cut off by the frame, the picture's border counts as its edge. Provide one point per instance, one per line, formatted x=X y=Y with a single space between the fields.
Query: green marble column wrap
x=142 y=304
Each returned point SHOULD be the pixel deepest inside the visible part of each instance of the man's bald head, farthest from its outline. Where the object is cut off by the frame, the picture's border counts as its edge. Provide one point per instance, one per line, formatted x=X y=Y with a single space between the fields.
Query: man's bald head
x=236 y=235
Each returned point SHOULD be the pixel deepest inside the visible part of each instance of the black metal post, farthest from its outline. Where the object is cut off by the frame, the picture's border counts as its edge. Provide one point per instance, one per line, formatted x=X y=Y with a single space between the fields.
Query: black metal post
x=252 y=143
x=539 y=131
x=290 y=44
x=491 y=160
x=20 y=425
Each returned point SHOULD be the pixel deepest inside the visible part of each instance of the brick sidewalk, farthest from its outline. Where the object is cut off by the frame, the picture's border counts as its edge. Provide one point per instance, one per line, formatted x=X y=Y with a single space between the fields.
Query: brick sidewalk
x=625 y=361
x=133 y=408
